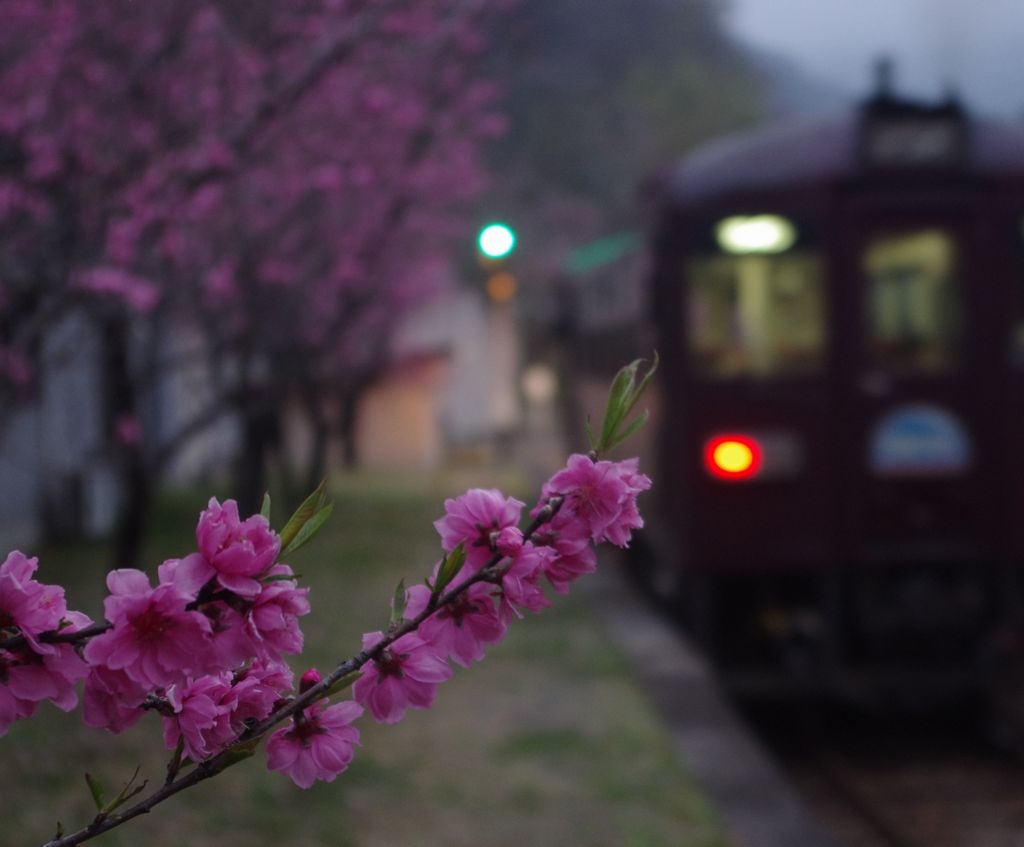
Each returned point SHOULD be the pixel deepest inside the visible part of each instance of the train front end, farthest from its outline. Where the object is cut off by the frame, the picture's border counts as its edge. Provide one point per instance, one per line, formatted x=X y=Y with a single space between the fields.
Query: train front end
x=841 y=312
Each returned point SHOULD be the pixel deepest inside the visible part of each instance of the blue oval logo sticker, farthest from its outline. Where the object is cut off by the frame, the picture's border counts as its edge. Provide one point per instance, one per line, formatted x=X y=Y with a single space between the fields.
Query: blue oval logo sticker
x=919 y=440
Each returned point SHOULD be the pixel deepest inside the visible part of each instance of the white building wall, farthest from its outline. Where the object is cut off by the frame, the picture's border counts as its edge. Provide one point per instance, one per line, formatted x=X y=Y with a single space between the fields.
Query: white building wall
x=481 y=396
x=76 y=479
x=183 y=393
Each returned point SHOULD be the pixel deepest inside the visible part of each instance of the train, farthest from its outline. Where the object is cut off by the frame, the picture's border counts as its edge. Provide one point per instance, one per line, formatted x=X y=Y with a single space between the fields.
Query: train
x=839 y=311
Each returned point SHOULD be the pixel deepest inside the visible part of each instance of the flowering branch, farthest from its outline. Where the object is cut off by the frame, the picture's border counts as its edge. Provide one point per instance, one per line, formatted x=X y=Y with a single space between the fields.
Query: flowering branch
x=203 y=648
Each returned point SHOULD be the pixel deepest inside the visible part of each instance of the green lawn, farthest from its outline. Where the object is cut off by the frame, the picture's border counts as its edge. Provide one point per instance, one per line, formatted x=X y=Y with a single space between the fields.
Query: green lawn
x=547 y=742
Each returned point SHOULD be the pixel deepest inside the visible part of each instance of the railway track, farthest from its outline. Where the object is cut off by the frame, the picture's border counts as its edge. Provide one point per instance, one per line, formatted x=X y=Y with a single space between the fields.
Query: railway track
x=900 y=782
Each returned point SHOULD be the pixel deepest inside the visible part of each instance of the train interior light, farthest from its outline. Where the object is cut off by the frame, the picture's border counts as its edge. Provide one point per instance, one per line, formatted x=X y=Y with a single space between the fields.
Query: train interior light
x=756 y=315
x=732 y=457
x=743 y=234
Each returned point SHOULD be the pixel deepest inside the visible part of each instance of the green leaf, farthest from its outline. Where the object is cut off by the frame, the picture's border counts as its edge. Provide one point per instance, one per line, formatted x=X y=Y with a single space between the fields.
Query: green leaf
x=633 y=427
x=96 y=790
x=309 y=530
x=281 y=577
x=310 y=506
x=174 y=765
x=126 y=793
x=590 y=433
x=342 y=683
x=451 y=564
x=642 y=387
x=637 y=391
x=265 y=508
x=618 y=396
x=622 y=397
x=398 y=602
x=238 y=753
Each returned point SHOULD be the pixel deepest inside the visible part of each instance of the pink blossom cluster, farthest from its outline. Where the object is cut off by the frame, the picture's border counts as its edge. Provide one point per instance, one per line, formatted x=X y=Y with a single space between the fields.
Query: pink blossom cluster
x=502 y=575
x=34 y=671
x=600 y=497
x=204 y=647
x=172 y=140
x=318 y=743
x=141 y=294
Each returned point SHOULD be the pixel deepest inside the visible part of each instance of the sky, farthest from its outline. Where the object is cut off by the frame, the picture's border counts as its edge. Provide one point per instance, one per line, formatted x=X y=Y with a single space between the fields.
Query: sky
x=976 y=46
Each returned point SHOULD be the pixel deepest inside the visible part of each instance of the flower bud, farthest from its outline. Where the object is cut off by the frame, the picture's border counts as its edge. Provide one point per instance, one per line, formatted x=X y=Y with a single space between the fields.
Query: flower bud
x=309 y=679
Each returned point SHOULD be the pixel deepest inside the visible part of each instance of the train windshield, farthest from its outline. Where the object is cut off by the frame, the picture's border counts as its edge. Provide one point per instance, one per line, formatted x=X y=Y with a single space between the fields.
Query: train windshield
x=756 y=313
x=913 y=298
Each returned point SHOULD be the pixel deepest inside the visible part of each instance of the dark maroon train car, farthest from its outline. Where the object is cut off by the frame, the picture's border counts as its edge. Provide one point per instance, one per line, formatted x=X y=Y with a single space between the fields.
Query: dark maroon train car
x=840 y=312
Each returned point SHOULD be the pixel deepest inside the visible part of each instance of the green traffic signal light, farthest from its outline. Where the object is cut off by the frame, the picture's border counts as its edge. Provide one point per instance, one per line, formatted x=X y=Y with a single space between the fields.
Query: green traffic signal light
x=496 y=241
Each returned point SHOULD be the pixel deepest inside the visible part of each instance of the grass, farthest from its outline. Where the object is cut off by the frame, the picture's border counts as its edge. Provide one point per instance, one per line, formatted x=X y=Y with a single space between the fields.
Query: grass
x=547 y=742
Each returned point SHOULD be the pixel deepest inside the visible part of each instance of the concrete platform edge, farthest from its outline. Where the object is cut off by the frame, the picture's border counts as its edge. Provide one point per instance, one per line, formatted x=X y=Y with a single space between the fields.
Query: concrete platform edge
x=755 y=803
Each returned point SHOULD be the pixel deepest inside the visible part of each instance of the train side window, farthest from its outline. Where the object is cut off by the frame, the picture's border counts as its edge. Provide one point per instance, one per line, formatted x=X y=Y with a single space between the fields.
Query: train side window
x=913 y=301
x=756 y=315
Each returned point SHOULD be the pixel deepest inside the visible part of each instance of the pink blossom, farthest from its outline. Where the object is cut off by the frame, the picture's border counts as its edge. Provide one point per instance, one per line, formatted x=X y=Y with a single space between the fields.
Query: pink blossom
x=236 y=551
x=310 y=679
x=508 y=541
x=213 y=710
x=317 y=745
x=28 y=677
x=27 y=607
x=479 y=518
x=35 y=671
x=459 y=630
x=272 y=623
x=12 y=707
x=620 y=532
x=50 y=676
x=232 y=638
x=405 y=675
x=188 y=574
x=520 y=584
x=258 y=690
x=265 y=624
x=202 y=715
x=600 y=494
x=573 y=553
x=155 y=640
x=141 y=294
x=111 y=700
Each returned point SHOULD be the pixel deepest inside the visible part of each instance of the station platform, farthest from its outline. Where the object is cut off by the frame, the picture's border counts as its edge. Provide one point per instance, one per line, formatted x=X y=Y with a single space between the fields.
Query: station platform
x=755 y=804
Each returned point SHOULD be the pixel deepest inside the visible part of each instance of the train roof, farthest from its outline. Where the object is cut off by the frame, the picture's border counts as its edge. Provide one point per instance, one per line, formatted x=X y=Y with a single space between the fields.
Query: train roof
x=809 y=154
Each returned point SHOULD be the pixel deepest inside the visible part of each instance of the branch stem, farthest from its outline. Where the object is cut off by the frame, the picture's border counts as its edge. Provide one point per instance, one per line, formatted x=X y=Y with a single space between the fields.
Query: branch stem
x=244 y=746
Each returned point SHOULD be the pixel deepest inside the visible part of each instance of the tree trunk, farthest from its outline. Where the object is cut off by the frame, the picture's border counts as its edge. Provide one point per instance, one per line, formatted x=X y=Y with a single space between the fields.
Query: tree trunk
x=137 y=490
x=259 y=433
x=347 y=428
x=316 y=469
x=124 y=441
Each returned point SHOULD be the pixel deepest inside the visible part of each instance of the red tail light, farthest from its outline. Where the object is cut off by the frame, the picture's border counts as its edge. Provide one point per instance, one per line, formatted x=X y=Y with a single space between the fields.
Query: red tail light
x=731 y=456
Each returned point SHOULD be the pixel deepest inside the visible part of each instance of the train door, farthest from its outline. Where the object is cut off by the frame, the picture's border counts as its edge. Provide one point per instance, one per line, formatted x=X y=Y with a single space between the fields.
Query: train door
x=916 y=371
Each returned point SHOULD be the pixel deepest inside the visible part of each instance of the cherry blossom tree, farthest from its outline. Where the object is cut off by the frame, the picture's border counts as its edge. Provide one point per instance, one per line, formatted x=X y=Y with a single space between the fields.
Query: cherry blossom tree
x=282 y=181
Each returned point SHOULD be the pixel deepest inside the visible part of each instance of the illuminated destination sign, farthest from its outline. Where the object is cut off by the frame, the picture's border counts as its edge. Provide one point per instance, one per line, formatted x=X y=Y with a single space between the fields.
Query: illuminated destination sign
x=914 y=141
